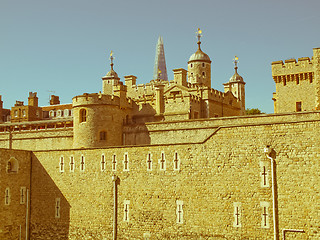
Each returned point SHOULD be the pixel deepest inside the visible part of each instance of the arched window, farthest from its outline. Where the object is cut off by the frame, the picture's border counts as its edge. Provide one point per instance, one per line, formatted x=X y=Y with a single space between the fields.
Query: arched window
x=12 y=165
x=203 y=64
x=83 y=115
x=103 y=136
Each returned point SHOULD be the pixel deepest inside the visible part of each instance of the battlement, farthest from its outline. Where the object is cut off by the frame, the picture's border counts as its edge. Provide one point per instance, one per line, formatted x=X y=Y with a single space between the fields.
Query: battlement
x=95 y=99
x=292 y=66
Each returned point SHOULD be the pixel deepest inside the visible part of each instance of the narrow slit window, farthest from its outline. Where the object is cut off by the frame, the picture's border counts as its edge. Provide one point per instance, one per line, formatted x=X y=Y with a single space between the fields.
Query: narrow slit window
x=264 y=174
x=149 y=162
x=82 y=115
x=179 y=211
x=176 y=162
x=265 y=214
x=126 y=162
x=114 y=162
x=103 y=136
x=7 y=197
x=71 y=164
x=237 y=214
x=103 y=163
x=61 y=164
x=23 y=195
x=57 y=208
x=126 y=210
x=298 y=106
x=82 y=163
x=162 y=161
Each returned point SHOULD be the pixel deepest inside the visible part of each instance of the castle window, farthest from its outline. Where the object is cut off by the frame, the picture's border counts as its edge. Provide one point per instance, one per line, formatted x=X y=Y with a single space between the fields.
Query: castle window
x=284 y=82
x=191 y=65
x=179 y=211
x=162 y=162
x=16 y=113
x=265 y=214
x=176 y=162
x=59 y=113
x=126 y=210
x=237 y=214
x=103 y=163
x=126 y=162
x=66 y=112
x=22 y=195
x=7 y=197
x=51 y=113
x=57 y=208
x=264 y=174
x=203 y=74
x=297 y=79
x=114 y=163
x=311 y=77
x=149 y=162
x=61 y=164
x=298 y=106
x=203 y=65
x=103 y=136
x=12 y=166
x=71 y=164
x=23 y=112
x=82 y=163
x=83 y=115
x=37 y=113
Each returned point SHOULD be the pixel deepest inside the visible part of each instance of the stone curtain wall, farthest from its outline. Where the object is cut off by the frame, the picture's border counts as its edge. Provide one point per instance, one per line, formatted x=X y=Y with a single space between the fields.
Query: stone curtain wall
x=212 y=177
x=13 y=210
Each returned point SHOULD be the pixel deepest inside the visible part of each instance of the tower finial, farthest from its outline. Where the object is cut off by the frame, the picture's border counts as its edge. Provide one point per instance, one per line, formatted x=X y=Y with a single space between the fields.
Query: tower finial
x=199 y=35
x=111 y=59
x=235 y=60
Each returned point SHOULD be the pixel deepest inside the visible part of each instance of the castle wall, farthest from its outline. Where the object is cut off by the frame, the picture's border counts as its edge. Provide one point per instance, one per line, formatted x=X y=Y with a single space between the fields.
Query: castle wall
x=212 y=178
x=51 y=139
x=13 y=204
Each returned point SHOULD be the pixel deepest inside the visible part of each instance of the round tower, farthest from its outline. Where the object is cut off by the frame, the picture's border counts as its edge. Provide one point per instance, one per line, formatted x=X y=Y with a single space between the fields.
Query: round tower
x=199 y=66
x=97 y=120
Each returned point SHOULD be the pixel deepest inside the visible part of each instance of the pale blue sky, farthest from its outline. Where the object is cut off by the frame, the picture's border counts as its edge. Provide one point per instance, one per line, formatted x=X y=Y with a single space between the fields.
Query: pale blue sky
x=64 y=45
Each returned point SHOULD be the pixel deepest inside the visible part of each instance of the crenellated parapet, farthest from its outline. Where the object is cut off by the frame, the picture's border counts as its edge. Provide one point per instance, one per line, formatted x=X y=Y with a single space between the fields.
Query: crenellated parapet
x=98 y=99
x=292 y=66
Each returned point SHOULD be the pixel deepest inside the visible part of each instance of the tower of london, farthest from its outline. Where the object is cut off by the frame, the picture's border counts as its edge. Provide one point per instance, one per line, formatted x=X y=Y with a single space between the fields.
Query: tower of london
x=169 y=159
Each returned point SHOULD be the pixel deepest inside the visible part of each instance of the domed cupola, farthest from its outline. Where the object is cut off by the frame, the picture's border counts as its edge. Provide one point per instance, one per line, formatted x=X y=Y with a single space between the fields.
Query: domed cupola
x=110 y=79
x=236 y=77
x=199 y=66
x=236 y=86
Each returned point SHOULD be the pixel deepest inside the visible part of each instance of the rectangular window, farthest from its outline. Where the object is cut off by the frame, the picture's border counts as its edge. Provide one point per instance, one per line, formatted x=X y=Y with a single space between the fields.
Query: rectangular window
x=298 y=106
x=71 y=164
x=57 y=208
x=179 y=211
x=23 y=193
x=265 y=214
x=82 y=163
x=114 y=163
x=237 y=214
x=126 y=162
x=264 y=174
x=61 y=164
x=126 y=204
x=162 y=162
x=103 y=163
x=7 y=197
x=149 y=162
x=176 y=162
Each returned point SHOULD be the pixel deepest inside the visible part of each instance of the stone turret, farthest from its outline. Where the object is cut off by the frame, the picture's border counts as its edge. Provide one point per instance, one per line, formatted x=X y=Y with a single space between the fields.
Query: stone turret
x=236 y=86
x=110 y=80
x=199 y=67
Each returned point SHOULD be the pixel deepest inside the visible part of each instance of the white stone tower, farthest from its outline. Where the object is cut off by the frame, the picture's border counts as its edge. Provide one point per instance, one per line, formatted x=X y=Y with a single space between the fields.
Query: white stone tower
x=160 y=69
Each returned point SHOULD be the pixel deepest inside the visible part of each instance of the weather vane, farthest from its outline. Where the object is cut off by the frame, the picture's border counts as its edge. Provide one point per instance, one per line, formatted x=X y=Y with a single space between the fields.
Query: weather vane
x=236 y=60
x=199 y=35
x=111 y=58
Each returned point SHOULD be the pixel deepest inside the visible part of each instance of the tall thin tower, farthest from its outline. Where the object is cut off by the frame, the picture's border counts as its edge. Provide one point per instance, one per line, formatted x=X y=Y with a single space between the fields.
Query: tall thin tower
x=160 y=69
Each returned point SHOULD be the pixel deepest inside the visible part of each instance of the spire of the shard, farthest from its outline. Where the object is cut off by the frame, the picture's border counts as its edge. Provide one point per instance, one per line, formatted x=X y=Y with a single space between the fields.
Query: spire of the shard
x=160 y=69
